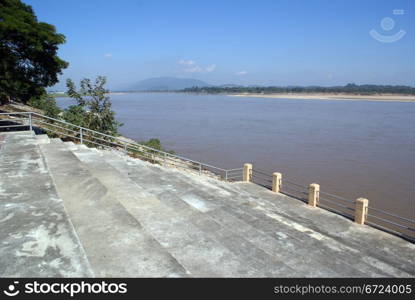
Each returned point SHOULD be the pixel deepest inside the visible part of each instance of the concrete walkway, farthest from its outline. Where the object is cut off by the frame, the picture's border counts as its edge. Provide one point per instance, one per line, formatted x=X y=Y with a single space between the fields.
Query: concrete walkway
x=120 y=216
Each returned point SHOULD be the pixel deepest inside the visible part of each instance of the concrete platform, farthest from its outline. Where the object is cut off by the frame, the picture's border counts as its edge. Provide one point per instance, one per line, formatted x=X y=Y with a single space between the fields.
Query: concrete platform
x=119 y=216
x=36 y=236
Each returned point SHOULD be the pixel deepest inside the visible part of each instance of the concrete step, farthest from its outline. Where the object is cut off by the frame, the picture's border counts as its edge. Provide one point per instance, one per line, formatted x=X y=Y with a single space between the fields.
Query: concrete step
x=70 y=145
x=42 y=139
x=75 y=146
x=178 y=227
x=37 y=237
x=114 y=241
x=56 y=141
x=281 y=221
x=158 y=179
x=391 y=259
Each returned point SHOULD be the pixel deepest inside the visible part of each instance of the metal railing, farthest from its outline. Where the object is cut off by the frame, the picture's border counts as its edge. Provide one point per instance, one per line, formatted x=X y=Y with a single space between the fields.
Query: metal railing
x=293 y=189
x=376 y=217
x=61 y=128
x=262 y=178
x=234 y=174
x=396 y=224
x=337 y=204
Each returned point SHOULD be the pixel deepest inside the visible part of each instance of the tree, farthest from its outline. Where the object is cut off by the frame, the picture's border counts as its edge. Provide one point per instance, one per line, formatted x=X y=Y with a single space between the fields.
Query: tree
x=93 y=109
x=28 y=51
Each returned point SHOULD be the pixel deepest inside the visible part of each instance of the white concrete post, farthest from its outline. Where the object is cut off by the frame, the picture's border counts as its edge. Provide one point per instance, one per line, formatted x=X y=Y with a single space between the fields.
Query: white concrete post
x=276 y=182
x=361 y=209
x=247 y=174
x=313 y=194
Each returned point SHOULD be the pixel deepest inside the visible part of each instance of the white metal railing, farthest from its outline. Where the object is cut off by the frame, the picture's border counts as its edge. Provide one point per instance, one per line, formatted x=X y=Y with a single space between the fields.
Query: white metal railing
x=88 y=136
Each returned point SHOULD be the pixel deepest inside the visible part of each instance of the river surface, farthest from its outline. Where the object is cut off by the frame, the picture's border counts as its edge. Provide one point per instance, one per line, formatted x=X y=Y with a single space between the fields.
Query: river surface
x=351 y=148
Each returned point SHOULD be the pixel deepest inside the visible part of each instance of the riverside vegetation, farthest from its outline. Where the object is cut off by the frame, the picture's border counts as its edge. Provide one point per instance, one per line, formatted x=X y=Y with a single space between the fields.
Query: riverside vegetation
x=92 y=109
x=351 y=88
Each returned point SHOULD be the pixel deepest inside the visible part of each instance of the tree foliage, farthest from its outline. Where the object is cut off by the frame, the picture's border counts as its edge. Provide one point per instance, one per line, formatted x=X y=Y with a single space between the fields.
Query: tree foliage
x=28 y=51
x=93 y=109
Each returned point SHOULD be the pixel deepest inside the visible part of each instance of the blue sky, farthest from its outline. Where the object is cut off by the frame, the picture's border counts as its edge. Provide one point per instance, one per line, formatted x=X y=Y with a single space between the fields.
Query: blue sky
x=276 y=42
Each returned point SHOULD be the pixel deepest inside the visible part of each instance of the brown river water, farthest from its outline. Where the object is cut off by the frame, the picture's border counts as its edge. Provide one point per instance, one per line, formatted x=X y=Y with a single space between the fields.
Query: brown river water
x=351 y=148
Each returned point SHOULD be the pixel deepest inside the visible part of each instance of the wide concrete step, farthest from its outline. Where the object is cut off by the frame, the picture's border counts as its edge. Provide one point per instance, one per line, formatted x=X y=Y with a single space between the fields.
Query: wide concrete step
x=114 y=241
x=42 y=139
x=180 y=229
x=37 y=237
x=158 y=179
x=55 y=141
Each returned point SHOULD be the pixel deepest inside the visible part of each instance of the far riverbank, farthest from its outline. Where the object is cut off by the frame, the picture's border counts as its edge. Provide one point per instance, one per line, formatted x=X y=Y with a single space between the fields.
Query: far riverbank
x=322 y=96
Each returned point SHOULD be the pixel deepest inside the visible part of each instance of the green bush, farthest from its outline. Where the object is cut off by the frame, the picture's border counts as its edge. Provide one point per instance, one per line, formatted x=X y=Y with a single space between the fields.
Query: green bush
x=74 y=114
x=47 y=104
x=156 y=144
x=93 y=106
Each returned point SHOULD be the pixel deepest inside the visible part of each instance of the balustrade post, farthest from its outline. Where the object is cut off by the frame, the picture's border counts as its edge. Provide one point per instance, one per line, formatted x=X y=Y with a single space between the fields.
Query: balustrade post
x=313 y=194
x=247 y=173
x=361 y=208
x=276 y=182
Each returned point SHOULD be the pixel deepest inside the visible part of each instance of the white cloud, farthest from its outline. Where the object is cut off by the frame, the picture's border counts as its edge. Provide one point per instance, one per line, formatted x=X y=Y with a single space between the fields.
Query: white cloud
x=241 y=73
x=187 y=62
x=210 y=68
x=108 y=55
x=195 y=69
x=192 y=67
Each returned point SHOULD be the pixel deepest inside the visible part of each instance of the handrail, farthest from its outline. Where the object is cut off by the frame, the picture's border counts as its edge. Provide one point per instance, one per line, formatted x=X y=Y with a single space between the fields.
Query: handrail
x=338 y=197
x=127 y=142
x=123 y=142
x=392 y=215
x=237 y=169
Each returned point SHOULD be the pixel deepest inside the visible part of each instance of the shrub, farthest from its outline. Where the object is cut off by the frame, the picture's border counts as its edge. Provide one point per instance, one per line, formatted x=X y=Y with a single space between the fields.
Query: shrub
x=47 y=104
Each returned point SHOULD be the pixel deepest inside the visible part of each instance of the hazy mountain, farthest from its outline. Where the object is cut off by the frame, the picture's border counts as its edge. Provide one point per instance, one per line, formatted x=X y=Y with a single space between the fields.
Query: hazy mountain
x=166 y=84
x=230 y=85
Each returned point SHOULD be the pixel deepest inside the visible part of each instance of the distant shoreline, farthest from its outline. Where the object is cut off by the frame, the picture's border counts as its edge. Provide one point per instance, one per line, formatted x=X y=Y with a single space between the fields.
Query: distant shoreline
x=322 y=96
x=294 y=96
x=65 y=95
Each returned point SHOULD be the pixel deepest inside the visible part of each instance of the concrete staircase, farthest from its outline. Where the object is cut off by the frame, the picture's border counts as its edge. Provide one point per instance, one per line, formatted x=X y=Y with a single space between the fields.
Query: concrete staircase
x=70 y=210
